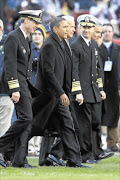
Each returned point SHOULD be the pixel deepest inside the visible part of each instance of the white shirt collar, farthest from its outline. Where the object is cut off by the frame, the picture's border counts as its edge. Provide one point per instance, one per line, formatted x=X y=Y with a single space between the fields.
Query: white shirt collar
x=0 y=38
x=107 y=44
x=86 y=40
x=23 y=32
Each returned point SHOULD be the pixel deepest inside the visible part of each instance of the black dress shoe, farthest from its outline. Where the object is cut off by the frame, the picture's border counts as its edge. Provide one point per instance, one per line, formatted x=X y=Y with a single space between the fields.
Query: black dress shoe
x=107 y=150
x=61 y=162
x=3 y=163
x=54 y=161
x=29 y=166
x=105 y=155
x=83 y=166
x=70 y=164
x=91 y=161
x=114 y=149
x=8 y=163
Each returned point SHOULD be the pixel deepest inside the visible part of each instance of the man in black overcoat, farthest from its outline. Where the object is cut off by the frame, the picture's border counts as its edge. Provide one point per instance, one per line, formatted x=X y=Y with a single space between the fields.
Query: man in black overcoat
x=15 y=82
x=51 y=80
x=109 y=53
x=47 y=145
x=87 y=70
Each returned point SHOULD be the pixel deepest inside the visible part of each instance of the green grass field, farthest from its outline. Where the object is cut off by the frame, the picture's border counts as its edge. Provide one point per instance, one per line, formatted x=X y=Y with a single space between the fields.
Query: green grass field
x=108 y=169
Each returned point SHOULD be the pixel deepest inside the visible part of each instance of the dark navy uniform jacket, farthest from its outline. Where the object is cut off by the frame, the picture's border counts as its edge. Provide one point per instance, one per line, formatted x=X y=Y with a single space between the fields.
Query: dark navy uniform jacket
x=87 y=70
x=17 y=65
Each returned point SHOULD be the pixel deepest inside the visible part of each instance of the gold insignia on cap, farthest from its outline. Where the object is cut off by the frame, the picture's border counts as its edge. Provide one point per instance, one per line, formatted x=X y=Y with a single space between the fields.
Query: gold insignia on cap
x=38 y=20
x=34 y=15
x=87 y=19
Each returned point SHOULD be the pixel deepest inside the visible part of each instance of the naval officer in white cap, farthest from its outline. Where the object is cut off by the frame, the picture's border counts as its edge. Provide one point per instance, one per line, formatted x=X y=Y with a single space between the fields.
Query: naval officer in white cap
x=88 y=98
x=15 y=81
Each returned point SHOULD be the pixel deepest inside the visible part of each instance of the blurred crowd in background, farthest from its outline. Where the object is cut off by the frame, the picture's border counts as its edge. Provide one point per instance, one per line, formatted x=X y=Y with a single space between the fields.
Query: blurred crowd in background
x=107 y=11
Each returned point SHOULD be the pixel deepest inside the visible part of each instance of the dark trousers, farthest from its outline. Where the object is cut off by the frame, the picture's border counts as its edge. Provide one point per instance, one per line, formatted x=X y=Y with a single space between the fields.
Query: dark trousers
x=50 y=145
x=65 y=127
x=45 y=149
x=89 y=135
x=17 y=134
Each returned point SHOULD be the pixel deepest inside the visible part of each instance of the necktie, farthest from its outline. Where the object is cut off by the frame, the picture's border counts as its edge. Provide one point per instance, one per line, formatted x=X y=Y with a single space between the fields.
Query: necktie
x=90 y=48
x=28 y=44
x=109 y=51
x=90 y=45
x=69 y=47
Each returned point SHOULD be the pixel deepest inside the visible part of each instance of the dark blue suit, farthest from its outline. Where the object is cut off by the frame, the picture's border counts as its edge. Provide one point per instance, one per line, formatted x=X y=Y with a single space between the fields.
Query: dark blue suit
x=16 y=77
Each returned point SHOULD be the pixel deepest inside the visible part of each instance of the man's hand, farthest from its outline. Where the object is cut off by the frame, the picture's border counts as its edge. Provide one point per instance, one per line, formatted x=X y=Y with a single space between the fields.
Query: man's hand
x=15 y=97
x=79 y=99
x=65 y=100
x=103 y=95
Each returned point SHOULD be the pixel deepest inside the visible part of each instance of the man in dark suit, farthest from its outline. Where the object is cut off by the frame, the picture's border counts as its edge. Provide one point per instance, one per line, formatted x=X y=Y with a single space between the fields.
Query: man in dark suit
x=86 y=64
x=109 y=53
x=51 y=80
x=55 y=149
x=15 y=82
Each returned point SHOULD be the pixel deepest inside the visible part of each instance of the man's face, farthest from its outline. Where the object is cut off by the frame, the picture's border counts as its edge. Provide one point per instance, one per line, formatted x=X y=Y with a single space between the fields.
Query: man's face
x=31 y=25
x=61 y=31
x=71 y=29
x=97 y=33
x=107 y=33
x=37 y=37
x=86 y=31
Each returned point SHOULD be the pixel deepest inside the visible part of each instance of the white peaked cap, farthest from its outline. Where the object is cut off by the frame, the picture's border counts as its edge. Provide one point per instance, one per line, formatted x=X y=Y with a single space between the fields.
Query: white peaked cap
x=87 y=20
x=35 y=15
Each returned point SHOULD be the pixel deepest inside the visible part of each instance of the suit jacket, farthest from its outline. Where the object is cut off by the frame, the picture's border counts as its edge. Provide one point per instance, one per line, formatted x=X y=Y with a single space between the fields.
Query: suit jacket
x=17 y=65
x=51 y=67
x=86 y=69
x=110 y=112
x=68 y=72
x=50 y=80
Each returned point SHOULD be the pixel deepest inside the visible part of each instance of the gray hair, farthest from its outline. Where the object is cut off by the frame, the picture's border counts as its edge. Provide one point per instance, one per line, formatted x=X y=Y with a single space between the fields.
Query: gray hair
x=56 y=22
x=69 y=18
x=99 y=24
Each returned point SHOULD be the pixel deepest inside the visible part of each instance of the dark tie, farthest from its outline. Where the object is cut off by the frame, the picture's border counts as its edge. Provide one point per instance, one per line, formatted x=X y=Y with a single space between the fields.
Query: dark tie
x=28 y=44
x=90 y=48
x=90 y=45
x=109 y=51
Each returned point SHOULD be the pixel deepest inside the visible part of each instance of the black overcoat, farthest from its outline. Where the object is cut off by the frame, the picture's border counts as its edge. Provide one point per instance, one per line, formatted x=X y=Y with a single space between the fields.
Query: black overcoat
x=110 y=113
x=89 y=70
x=16 y=72
x=51 y=81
